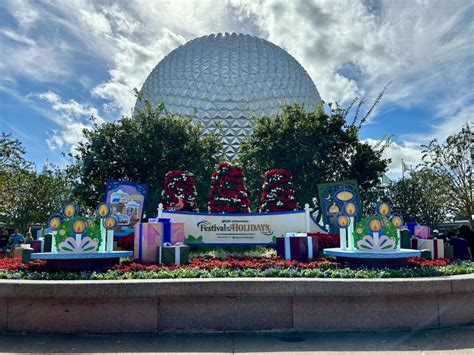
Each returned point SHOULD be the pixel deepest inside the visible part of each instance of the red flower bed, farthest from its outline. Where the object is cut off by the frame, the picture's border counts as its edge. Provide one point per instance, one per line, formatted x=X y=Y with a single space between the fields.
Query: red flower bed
x=429 y=263
x=229 y=263
x=15 y=264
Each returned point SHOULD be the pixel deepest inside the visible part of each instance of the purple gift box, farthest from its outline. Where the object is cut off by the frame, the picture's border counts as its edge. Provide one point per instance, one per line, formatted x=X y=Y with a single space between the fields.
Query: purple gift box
x=422 y=232
x=298 y=247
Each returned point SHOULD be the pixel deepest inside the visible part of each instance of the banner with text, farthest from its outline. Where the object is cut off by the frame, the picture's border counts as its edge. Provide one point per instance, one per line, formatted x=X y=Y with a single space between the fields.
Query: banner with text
x=235 y=229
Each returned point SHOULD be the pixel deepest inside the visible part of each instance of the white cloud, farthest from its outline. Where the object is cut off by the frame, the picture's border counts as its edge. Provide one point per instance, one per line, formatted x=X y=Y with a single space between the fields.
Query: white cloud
x=348 y=47
x=70 y=116
x=356 y=47
x=409 y=152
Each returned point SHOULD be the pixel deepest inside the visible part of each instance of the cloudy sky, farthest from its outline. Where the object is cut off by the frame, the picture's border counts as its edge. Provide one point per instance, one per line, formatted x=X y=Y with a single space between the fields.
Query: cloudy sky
x=63 y=61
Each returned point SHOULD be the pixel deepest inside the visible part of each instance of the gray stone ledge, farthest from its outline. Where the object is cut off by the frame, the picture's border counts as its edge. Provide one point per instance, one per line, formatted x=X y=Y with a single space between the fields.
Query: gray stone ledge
x=236 y=286
x=235 y=304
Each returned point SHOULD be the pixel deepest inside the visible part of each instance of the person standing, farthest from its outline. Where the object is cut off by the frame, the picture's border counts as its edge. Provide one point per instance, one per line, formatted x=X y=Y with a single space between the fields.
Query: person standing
x=28 y=238
x=16 y=239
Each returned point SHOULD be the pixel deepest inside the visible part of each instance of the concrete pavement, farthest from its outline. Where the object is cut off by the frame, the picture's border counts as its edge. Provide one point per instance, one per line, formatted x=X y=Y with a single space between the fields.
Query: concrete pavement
x=459 y=340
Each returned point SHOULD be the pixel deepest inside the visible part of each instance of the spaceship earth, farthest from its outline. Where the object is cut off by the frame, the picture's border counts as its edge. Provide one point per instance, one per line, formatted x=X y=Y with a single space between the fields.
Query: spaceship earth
x=225 y=81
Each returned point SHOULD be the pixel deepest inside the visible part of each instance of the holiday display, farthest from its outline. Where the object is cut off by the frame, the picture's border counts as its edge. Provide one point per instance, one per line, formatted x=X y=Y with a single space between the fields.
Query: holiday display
x=373 y=240
x=278 y=192
x=79 y=243
x=152 y=235
x=179 y=191
x=228 y=193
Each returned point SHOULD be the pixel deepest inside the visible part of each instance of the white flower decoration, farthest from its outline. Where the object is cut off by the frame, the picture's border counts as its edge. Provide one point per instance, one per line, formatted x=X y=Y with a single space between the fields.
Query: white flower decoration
x=87 y=245
x=384 y=243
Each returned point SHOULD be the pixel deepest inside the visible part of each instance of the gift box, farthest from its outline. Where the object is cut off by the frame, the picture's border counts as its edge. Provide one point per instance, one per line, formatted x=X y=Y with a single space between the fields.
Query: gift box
x=149 y=236
x=177 y=233
x=422 y=232
x=26 y=255
x=405 y=237
x=448 y=251
x=426 y=254
x=177 y=254
x=18 y=251
x=411 y=227
x=47 y=243
x=37 y=246
x=436 y=246
x=291 y=247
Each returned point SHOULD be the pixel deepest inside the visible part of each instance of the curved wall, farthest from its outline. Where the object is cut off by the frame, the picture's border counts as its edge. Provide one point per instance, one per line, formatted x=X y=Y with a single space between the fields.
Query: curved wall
x=235 y=304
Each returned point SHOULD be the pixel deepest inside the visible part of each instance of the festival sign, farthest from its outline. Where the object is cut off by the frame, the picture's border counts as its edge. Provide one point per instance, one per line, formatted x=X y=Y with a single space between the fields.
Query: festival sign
x=126 y=200
x=240 y=229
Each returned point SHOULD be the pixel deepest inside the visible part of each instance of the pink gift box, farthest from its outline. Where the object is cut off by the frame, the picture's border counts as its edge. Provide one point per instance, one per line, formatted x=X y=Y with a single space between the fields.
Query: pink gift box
x=422 y=232
x=149 y=236
x=177 y=233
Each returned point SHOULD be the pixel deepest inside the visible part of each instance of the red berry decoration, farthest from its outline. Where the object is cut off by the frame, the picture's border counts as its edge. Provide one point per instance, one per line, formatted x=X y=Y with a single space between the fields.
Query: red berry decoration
x=228 y=193
x=278 y=192
x=179 y=191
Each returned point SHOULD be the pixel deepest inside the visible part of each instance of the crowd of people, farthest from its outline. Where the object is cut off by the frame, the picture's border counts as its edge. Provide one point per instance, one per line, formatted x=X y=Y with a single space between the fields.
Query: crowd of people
x=10 y=241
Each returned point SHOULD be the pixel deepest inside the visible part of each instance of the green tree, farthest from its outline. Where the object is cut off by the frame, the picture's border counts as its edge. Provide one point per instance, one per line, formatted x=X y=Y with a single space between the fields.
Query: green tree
x=315 y=146
x=142 y=149
x=27 y=196
x=11 y=154
x=451 y=162
x=419 y=198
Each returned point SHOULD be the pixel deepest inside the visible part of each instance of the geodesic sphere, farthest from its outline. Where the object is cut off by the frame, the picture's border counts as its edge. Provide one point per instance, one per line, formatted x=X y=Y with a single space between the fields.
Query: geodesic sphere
x=224 y=81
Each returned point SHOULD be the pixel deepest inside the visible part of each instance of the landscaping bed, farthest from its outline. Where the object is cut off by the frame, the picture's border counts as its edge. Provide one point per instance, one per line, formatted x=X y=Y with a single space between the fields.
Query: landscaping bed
x=231 y=266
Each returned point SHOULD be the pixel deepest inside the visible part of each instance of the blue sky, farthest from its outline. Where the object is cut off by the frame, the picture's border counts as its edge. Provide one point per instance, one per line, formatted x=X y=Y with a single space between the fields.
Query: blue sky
x=62 y=61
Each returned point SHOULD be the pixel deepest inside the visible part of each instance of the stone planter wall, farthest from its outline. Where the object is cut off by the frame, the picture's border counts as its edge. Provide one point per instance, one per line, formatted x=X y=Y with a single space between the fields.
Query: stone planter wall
x=235 y=304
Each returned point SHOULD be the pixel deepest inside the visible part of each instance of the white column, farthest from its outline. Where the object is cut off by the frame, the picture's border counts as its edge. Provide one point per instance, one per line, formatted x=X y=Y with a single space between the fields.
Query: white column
x=307 y=217
x=103 y=235
x=160 y=210
x=351 y=234
x=342 y=238
x=399 y=245
x=110 y=240
x=53 y=243
x=78 y=239
x=376 y=238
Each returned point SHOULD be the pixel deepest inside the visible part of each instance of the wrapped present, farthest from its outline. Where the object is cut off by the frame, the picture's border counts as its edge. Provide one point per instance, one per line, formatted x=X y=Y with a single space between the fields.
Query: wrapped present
x=166 y=229
x=291 y=247
x=26 y=255
x=426 y=254
x=18 y=251
x=422 y=232
x=435 y=246
x=47 y=243
x=149 y=236
x=411 y=227
x=37 y=245
x=177 y=233
x=169 y=254
x=405 y=239
x=313 y=247
x=448 y=251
